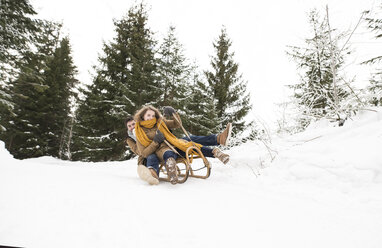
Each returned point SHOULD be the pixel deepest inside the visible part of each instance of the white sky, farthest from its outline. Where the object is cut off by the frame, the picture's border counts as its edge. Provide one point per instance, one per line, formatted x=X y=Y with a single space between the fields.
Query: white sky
x=259 y=30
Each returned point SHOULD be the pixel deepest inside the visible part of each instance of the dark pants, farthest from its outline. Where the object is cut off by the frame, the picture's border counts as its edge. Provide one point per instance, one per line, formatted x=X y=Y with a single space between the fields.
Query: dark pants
x=210 y=140
x=152 y=161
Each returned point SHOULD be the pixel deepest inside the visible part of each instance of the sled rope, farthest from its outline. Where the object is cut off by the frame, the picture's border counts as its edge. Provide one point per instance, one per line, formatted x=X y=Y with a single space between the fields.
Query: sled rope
x=181 y=126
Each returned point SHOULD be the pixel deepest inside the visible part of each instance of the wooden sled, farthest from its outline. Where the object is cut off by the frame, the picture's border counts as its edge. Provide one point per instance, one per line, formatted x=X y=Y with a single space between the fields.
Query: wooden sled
x=184 y=166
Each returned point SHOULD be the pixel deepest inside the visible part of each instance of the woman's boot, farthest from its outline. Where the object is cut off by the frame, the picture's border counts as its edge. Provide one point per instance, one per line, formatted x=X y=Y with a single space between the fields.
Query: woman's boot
x=220 y=155
x=224 y=137
x=171 y=170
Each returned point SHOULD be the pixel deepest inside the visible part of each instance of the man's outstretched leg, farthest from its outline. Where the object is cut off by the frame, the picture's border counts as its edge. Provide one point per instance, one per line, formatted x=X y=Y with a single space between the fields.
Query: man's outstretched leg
x=222 y=138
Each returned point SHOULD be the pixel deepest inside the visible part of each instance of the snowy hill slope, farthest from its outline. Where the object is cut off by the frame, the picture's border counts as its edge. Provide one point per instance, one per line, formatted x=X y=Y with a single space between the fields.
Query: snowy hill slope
x=323 y=189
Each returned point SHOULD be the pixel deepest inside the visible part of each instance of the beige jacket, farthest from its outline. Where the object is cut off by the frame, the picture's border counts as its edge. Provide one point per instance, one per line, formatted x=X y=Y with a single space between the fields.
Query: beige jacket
x=133 y=146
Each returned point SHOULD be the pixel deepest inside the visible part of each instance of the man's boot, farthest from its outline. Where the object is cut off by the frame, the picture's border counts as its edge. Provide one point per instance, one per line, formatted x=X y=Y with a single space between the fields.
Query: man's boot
x=224 y=137
x=146 y=175
x=220 y=155
x=171 y=170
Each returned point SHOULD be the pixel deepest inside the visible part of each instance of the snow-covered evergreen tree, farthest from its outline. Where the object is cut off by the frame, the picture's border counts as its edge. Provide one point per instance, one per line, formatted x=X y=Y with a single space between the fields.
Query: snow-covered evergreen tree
x=375 y=90
x=227 y=86
x=174 y=72
x=374 y=22
x=126 y=79
x=6 y=106
x=41 y=95
x=183 y=89
x=202 y=118
x=16 y=32
x=17 y=29
x=58 y=99
x=315 y=94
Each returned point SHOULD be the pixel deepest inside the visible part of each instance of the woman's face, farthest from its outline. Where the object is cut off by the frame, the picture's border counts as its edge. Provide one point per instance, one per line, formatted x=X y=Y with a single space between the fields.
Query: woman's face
x=150 y=114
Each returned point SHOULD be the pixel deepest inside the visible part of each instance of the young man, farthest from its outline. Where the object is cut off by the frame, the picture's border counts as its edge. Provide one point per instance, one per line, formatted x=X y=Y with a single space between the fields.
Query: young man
x=148 y=168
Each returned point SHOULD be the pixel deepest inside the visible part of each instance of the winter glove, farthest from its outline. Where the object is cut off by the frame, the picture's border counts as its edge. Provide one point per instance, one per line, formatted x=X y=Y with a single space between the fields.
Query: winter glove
x=159 y=138
x=168 y=110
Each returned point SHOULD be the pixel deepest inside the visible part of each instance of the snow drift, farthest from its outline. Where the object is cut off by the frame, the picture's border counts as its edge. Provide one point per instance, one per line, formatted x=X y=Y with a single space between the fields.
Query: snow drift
x=348 y=154
x=318 y=188
x=4 y=154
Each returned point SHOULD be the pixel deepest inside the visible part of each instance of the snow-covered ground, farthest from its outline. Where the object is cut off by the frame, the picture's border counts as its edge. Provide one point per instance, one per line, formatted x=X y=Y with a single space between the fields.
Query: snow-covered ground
x=322 y=189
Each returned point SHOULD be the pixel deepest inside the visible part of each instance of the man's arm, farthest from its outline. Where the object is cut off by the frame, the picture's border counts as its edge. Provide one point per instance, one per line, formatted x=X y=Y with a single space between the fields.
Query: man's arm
x=132 y=144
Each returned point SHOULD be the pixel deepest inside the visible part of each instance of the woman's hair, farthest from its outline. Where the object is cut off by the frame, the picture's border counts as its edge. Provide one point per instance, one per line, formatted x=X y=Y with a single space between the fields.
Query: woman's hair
x=140 y=113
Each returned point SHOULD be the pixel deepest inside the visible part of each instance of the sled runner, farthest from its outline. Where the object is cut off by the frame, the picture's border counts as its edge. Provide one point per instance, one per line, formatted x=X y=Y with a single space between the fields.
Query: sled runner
x=184 y=166
x=184 y=163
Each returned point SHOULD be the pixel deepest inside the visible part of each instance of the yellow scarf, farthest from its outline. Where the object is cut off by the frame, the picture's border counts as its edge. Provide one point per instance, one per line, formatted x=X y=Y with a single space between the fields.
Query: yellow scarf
x=144 y=140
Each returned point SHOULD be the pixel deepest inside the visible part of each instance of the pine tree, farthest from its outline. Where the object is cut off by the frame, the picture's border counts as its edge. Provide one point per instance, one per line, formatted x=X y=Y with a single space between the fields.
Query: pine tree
x=125 y=80
x=17 y=30
x=24 y=138
x=184 y=90
x=174 y=73
x=375 y=88
x=58 y=98
x=202 y=116
x=228 y=89
x=6 y=106
x=374 y=23
x=315 y=93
